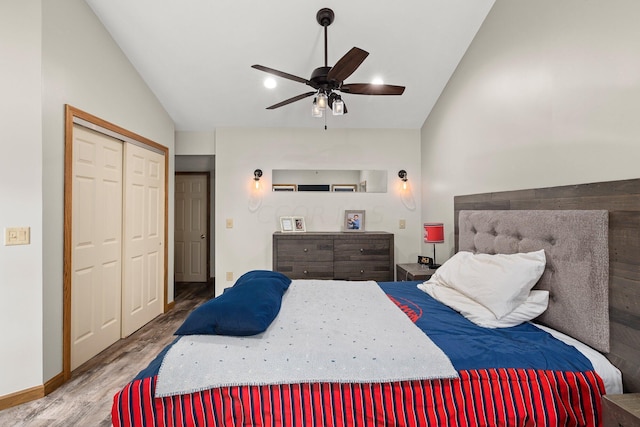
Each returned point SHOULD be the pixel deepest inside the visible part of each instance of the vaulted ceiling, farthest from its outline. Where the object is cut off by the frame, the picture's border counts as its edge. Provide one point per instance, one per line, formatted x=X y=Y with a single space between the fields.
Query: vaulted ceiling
x=196 y=56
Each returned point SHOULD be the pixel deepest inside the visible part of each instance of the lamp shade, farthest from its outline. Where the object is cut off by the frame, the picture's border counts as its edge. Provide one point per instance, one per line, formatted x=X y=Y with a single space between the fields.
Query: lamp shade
x=433 y=232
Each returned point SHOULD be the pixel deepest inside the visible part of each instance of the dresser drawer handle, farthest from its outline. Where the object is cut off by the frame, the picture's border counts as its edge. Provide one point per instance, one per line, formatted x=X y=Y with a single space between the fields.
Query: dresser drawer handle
x=361 y=271
x=306 y=250
x=361 y=249
x=305 y=272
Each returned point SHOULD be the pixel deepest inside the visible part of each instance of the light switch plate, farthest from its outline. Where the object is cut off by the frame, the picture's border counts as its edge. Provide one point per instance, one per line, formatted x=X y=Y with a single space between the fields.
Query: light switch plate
x=17 y=236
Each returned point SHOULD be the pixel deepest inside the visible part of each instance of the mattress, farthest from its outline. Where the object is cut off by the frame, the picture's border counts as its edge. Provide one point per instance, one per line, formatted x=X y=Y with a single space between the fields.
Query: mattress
x=512 y=376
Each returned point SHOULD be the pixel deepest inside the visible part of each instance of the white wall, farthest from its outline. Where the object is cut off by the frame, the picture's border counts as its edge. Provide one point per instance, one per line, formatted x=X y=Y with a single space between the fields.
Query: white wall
x=83 y=67
x=51 y=54
x=195 y=143
x=547 y=94
x=20 y=195
x=248 y=245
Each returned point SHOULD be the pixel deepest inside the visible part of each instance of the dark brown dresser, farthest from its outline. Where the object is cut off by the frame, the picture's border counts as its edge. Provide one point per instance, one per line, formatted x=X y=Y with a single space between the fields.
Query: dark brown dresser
x=333 y=255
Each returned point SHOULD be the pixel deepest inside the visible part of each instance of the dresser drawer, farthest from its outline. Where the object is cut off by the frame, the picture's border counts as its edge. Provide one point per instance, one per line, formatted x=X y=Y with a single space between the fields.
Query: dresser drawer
x=365 y=270
x=307 y=270
x=362 y=250
x=303 y=251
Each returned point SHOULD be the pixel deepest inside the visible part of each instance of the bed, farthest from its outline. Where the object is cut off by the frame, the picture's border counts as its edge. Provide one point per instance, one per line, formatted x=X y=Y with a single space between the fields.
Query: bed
x=515 y=375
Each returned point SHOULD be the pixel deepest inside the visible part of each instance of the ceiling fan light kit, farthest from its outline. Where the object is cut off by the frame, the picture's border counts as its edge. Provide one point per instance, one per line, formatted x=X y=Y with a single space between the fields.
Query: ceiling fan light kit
x=322 y=101
x=327 y=81
x=315 y=109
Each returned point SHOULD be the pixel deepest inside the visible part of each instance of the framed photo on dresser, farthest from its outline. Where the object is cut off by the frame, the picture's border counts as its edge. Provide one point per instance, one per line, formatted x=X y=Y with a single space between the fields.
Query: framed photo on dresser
x=286 y=224
x=292 y=224
x=353 y=220
x=298 y=224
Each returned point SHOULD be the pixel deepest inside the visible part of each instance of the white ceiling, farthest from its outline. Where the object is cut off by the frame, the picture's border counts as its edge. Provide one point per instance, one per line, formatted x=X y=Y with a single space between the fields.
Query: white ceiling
x=196 y=56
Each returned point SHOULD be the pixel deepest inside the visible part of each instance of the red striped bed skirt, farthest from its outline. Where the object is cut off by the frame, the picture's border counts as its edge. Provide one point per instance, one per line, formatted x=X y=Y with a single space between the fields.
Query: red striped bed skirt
x=487 y=397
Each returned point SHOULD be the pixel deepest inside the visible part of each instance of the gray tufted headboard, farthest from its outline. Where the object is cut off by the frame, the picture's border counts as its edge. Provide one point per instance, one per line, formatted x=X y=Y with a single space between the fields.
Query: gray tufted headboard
x=577 y=272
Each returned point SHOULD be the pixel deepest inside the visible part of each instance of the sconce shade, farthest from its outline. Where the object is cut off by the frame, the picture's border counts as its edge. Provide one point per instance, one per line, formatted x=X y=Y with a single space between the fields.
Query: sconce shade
x=402 y=174
x=433 y=232
x=257 y=174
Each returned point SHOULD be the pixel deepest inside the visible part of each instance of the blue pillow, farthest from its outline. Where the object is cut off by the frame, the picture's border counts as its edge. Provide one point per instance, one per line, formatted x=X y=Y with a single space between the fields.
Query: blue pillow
x=263 y=274
x=247 y=308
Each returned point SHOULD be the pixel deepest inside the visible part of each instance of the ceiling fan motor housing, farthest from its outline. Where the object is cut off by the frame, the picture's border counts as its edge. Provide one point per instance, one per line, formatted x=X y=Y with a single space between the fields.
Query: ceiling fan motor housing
x=325 y=17
x=319 y=80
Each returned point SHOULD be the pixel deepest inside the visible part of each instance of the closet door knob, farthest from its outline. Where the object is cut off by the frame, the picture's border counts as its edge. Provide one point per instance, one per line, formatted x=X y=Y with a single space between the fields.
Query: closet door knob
x=202 y=236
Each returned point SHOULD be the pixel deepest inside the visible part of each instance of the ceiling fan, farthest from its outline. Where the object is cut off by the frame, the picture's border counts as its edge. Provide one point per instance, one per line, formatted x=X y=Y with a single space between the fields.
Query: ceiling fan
x=327 y=81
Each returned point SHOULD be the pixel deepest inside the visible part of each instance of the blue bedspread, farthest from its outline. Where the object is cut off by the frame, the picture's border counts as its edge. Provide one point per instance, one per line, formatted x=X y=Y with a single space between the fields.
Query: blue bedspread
x=472 y=347
x=469 y=346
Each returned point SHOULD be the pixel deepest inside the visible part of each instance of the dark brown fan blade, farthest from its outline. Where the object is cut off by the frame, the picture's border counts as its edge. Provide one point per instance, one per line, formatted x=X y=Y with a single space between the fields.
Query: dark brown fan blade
x=280 y=74
x=347 y=64
x=290 y=100
x=370 y=89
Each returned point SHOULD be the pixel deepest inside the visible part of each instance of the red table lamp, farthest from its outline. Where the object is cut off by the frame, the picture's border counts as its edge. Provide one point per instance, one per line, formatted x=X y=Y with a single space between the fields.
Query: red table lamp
x=434 y=233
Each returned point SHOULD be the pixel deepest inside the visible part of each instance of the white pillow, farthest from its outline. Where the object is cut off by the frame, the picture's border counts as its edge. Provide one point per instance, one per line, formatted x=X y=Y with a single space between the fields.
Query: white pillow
x=535 y=304
x=500 y=282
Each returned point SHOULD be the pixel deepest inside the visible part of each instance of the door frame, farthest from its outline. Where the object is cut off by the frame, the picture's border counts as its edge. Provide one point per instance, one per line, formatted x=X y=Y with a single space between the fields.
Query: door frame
x=208 y=244
x=72 y=115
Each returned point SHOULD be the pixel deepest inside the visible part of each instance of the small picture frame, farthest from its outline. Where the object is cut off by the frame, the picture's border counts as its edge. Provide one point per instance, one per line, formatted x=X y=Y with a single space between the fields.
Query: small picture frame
x=349 y=188
x=284 y=187
x=287 y=224
x=298 y=224
x=354 y=220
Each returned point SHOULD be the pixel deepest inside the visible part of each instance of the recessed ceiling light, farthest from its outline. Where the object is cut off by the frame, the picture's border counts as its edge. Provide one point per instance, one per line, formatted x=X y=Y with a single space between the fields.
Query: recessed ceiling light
x=377 y=81
x=270 y=83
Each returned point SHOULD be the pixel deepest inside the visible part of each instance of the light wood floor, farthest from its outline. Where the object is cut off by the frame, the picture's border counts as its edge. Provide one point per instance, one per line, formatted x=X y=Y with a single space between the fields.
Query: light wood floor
x=85 y=400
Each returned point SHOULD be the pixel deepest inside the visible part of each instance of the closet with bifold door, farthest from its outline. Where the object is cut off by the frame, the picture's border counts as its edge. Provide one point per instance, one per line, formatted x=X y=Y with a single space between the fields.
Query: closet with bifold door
x=117 y=253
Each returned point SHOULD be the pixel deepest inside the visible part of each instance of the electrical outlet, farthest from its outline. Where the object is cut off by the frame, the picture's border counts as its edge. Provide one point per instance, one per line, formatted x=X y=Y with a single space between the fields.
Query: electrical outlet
x=229 y=222
x=229 y=276
x=17 y=236
x=402 y=224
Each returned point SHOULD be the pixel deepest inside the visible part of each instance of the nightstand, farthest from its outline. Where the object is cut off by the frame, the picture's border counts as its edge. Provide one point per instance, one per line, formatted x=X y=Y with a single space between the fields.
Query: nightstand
x=621 y=410
x=415 y=271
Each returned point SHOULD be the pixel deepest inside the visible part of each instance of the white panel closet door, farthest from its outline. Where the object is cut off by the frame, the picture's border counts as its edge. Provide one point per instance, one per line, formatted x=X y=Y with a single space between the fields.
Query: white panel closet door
x=143 y=257
x=97 y=244
x=191 y=228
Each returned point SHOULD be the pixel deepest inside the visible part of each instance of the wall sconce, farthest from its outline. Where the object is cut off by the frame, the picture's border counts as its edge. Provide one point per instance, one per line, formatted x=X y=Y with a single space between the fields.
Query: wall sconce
x=405 y=191
x=402 y=174
x=255 y=196
x=257 y=174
